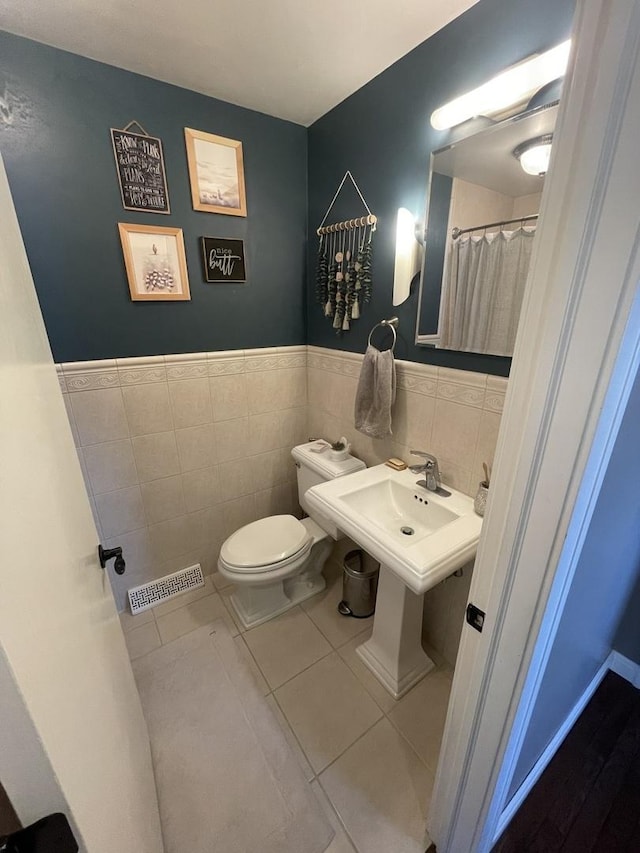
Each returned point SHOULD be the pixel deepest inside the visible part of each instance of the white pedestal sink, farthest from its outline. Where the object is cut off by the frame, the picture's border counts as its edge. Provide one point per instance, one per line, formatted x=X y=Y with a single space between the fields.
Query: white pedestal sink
x=420 y=538
x=394 y=653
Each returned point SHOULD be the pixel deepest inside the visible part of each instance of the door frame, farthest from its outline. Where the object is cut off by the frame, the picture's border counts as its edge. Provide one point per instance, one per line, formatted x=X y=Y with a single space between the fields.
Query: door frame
x=576 y=356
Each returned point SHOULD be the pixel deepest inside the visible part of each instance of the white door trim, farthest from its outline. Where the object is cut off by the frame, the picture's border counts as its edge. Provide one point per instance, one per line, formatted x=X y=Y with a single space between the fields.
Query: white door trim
x=566 y=397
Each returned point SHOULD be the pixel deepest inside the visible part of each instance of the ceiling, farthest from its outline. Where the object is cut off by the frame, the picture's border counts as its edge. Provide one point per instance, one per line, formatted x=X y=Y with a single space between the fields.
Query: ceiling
x=295 y=59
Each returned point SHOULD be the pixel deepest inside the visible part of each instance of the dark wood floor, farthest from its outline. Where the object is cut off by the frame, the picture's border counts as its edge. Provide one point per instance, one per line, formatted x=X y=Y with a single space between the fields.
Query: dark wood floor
x=588 y=798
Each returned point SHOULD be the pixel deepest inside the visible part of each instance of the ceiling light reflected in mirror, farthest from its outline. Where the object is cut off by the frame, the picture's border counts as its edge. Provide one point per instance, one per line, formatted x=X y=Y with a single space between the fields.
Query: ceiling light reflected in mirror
x=534 y=155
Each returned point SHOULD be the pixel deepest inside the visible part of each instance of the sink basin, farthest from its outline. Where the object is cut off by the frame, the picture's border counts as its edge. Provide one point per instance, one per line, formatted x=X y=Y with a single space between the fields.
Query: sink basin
x=401 y=510
x=422 y=536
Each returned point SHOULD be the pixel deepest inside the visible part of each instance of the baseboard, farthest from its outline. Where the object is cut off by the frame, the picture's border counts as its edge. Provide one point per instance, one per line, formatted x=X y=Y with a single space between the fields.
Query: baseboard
x=625 y=668
x=539 y=767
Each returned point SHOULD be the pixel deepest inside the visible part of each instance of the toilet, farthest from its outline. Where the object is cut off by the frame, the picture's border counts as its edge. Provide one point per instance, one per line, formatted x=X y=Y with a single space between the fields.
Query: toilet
x=277 y=562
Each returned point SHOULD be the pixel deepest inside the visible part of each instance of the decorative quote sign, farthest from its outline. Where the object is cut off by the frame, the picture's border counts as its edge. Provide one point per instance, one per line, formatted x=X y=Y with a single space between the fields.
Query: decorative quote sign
x=141 y=172
x=223 y=259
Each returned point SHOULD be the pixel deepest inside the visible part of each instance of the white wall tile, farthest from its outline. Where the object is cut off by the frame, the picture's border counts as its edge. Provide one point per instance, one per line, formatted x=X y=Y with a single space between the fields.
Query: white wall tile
x=237 y=513
x=267 y=470
x=274 y=501
x=163 y=499
x=190 y=402
x=487 y=439
x=170 y=539
x=266 y=391
x=155 y=456
x=147 y=408
x=232 y=439
x=110 y=466
x=196 y=447
x=293 y=426
x=293 y=387
x=237 y=478
x=264 y=432
x=201 y=488
x=72 y=420
x=120 y=512
x=99 y=415
x=229 y=396
x=412 y=422
x=455 y=432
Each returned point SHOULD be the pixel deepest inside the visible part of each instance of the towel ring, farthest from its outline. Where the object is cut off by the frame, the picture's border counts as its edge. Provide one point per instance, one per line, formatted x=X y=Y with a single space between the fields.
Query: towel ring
x=390 y=325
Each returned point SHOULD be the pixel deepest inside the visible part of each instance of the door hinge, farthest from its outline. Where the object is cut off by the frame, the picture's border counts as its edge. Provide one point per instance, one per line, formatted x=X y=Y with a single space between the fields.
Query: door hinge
x=475 y=617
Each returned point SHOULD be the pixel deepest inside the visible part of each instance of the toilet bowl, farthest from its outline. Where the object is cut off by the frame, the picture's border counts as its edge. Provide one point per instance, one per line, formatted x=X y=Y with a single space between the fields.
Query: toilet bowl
x=276 y=562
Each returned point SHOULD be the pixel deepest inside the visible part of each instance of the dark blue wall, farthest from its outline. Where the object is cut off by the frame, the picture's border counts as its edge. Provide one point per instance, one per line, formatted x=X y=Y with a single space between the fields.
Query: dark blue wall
x=57 y=151
x=383 y=135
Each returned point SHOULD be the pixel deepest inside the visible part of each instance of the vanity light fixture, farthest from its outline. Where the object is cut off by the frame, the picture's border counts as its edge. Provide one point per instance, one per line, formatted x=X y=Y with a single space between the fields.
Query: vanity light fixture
x=408 y=254
x=507 y=88
x=534 y=154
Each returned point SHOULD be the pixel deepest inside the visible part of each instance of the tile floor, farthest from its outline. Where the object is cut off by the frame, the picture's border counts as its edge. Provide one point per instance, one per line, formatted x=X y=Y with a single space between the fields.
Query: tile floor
x=370 y=760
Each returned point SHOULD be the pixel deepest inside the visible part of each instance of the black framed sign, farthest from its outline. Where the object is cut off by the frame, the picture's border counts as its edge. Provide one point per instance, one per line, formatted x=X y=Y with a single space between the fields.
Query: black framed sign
x=223 y=259
x=141 y=172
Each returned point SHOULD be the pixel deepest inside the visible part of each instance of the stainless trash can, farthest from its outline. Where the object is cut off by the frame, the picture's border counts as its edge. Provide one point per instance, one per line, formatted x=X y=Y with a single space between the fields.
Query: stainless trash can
x=359 y=584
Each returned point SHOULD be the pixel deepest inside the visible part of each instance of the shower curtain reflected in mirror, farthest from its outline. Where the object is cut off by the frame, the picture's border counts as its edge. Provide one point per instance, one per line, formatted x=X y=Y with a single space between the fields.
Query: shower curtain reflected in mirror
x=485 y=284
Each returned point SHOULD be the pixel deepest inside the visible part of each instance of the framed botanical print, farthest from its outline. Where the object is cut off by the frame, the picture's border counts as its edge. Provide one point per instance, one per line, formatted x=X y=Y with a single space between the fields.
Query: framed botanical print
x=155 y=261
x=216 y=173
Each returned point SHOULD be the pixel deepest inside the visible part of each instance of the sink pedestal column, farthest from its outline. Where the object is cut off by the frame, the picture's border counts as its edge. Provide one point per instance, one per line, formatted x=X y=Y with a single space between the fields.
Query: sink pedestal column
x=394 y=652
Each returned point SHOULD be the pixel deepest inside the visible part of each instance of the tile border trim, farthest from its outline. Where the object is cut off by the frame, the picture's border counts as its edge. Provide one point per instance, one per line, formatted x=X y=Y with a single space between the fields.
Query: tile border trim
x=479 y=390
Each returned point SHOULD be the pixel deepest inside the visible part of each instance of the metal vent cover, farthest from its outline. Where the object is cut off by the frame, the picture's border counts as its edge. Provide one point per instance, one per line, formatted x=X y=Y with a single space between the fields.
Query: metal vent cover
x=148 y=594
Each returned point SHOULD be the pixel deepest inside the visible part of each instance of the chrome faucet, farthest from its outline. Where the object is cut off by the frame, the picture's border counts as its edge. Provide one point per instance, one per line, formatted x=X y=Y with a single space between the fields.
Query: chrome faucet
x=429 y=468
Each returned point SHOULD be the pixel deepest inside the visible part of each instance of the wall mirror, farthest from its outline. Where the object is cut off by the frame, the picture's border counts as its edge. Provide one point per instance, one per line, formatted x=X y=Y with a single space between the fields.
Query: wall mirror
x=481 y=220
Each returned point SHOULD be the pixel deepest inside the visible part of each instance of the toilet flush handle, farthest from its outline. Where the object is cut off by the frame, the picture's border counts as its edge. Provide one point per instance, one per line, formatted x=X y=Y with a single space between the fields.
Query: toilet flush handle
x=106 y=554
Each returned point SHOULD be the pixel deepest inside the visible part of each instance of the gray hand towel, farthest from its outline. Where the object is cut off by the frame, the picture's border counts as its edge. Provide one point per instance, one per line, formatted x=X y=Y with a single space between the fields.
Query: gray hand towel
x=376 y=393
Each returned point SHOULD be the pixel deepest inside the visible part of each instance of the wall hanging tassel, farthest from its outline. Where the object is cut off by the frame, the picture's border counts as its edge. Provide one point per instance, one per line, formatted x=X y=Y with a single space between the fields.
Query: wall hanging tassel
x=332 y=284
x=350 y=283
x=343 y=271
x=322 y=272
x=363 y=267
x=340 y=286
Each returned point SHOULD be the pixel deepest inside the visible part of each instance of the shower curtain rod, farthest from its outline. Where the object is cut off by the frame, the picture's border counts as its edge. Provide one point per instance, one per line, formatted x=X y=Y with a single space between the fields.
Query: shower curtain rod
x=458 y=231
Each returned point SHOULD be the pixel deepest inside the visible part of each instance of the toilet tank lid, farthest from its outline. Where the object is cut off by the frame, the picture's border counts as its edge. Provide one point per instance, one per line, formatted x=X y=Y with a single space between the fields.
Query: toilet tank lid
x=324 y=463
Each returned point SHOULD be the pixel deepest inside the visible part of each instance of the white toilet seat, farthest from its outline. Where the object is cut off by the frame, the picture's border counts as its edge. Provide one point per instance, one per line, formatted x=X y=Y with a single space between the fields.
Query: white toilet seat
x=266 y=550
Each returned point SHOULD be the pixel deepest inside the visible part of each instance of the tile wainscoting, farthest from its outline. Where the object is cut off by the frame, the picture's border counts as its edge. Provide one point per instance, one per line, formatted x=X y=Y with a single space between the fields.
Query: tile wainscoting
x=454 y=414
x=178 y=451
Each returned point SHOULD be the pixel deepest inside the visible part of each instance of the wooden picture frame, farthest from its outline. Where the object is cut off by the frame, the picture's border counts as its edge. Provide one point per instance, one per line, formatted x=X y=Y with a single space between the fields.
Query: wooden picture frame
x=155 y=261
x=216 y=173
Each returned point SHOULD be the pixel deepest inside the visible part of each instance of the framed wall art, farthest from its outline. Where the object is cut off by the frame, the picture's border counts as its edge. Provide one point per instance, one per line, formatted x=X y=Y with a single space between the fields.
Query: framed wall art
x=223 y=259
x=141 y=171
x=155 y=262
x=216 y=173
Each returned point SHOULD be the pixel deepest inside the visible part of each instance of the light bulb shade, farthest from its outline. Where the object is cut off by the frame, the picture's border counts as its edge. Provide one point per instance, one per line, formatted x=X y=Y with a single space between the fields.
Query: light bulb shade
x=509 y=87
x=534 y=154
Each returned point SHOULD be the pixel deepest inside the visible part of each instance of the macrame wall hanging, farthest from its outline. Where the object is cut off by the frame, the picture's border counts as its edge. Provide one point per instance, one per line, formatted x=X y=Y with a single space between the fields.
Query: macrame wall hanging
x=343 y=274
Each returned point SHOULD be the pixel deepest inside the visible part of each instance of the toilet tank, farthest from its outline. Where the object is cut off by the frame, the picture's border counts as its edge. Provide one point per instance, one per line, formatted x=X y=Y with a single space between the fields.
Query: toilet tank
x=315 y=468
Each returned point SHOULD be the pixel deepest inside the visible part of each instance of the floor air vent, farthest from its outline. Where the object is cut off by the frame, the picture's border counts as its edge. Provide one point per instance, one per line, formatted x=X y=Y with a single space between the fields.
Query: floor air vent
x=147 y=594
